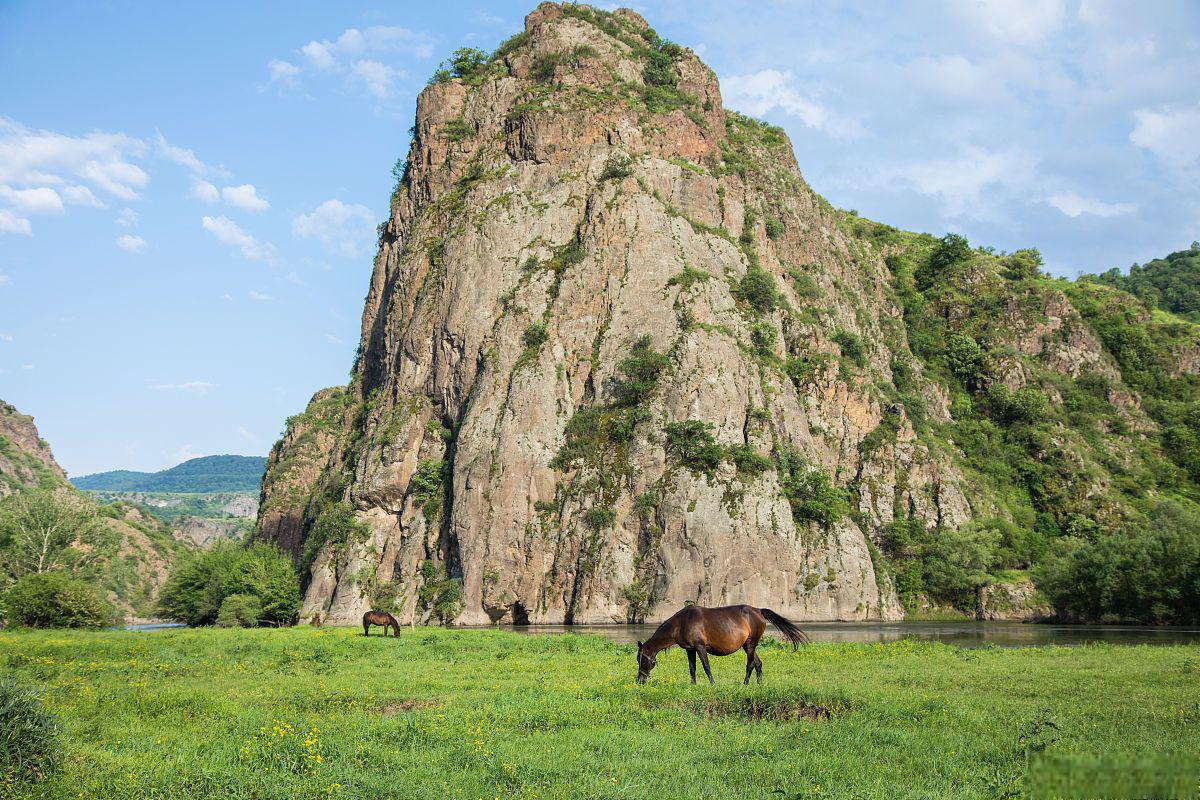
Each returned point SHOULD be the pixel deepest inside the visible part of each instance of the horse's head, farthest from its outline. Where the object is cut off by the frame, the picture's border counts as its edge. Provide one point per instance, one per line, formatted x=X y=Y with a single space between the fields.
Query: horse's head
x=646 y=662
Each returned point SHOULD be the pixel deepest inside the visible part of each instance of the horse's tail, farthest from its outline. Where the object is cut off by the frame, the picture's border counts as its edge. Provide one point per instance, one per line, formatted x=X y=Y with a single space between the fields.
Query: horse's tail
x=790 y=630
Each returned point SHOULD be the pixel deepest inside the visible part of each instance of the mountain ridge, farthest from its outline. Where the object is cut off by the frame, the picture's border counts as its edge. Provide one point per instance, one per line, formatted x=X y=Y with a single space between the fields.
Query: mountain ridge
x=220 y=473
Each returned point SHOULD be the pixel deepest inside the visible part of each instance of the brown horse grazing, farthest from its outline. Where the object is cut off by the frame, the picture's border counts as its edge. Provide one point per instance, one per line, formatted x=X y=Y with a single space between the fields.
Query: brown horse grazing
x=716 y=631
x=380 y=618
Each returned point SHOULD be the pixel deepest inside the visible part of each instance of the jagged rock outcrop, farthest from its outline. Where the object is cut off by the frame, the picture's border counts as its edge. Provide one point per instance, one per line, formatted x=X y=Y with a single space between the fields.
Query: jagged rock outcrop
x=617 y=356
x=25 y=458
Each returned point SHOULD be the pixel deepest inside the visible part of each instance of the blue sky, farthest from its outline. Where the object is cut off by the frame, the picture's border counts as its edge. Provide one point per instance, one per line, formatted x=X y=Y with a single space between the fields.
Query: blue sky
x=188 y=192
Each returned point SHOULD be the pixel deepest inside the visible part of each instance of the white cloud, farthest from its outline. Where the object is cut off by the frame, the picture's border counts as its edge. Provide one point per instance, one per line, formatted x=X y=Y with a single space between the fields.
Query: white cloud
x=132 y=244
x=1172 y=135
x=42 y=200
x=128 y=218
x=184 y=157
x=5 y=280
x=6 y=337
x=185 y=453
x=1074 y=205
x=1017 y=21
x=959 y=182
x=244 y=197
x=195 y=387
x=282 y=74
x=32 y=159
x=204 y=191
x=768 y=89
x=349 y=55
x=11 y=223
x=341 y=226
x=376 y=76
x=228 y=233
x=259 y=296
x=81 y=196
x=333 y=339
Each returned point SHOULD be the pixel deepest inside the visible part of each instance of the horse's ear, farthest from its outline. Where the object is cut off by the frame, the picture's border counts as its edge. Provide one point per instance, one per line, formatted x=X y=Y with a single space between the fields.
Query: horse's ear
x=639 y=644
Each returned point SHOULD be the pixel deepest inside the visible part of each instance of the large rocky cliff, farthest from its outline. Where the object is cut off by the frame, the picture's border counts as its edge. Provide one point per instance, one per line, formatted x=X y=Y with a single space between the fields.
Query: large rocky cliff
x=617 y=356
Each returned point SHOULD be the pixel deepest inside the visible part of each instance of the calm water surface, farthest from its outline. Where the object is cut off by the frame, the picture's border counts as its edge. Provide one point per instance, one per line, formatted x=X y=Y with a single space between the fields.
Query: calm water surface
x=962 y=634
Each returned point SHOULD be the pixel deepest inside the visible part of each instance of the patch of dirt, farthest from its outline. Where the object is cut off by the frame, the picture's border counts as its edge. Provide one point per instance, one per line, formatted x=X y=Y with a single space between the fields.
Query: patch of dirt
x=394 y=707
x=773 y=711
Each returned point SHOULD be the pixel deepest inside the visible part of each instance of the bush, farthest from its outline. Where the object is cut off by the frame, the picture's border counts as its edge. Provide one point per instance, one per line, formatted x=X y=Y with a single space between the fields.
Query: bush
x=599 y=518
x=965 y=358
x=852 y=347
x=950 y=251
x=1147 y=572
x=239 y=611
x=617 y=167
x=811 y=494
x=774 y=227
x=946 y=565
x=757 y=288
x=336 y=526
x=56 y=600
x=535 y=335
x=692 y=445
x=197 y=589
x=640 y=372
x=440 y=593
x=29 y=747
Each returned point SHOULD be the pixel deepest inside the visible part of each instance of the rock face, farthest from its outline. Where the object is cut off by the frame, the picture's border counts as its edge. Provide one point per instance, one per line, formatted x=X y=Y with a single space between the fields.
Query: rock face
x=617 y=356
x=25 y=458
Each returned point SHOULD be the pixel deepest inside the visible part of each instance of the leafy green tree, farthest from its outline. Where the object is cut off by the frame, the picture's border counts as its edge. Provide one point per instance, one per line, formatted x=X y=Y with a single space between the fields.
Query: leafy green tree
x=757 y=288
x=240 y=611
x=965 y=357
x=197 y=588
x=640 y=372
x=691 y=443
x=55 y=600
x=49 y=530
x=1147 y=572
x=950 y=251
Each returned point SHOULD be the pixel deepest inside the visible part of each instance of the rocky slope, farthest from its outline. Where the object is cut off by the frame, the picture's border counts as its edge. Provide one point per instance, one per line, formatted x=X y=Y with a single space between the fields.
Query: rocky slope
x=25 y=458
x=617 y=356
x=142 y=547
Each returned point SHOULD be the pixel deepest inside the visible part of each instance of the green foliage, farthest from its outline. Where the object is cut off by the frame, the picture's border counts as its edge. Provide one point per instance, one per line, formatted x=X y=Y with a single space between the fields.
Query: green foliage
x=773 y=227
x=535 y=335
x=688 y=277
x=757 y=287
x=545 y=66
x=1171 y=283
x=336 y=526
x=428 y=486
x=30 y=749
x=617 y=167
x=946 y=565
x=440 y=593
x=239 y=611
x=466 y=63
x=1147 y=572
x=599 y=518
x=763 y=337
x=811 y=494
x=1023 y=265
x=852 y=347
x=749 y=462
x=951 y=251
x=690 y=443
x=55 y=600
x=965 y=357
x=197 y=588
x=49 y=530
x=640 y=372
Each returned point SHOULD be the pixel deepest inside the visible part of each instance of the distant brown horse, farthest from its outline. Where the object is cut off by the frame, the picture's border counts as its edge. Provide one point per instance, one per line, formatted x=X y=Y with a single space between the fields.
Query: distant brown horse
x=716 y=631
x=380 y=618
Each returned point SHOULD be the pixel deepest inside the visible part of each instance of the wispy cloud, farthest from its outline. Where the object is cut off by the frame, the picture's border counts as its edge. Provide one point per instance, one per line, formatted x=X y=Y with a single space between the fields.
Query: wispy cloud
x=1074 y=205
x=761 y=92
x=128 y=218
x=344 y=227
x=359 y=55
x=229 y=233
x=195 y=387
x=132 y=244
x=244 y=197
x=259 y=296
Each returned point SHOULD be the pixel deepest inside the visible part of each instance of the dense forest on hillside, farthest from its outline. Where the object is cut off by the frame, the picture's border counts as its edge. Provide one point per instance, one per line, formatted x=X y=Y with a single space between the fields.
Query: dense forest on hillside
x=197 y=475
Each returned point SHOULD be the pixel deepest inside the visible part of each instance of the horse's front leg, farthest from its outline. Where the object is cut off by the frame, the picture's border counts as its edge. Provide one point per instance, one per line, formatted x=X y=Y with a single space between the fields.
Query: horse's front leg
x=704 y=662
x=749 y=666
x=692 y=664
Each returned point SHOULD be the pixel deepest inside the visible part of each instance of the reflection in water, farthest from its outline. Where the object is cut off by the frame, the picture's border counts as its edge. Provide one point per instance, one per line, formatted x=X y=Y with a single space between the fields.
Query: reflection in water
x=961 y=634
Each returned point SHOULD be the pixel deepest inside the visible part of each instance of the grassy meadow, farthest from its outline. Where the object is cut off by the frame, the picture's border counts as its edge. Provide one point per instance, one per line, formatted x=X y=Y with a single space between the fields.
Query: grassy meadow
x=316 y=713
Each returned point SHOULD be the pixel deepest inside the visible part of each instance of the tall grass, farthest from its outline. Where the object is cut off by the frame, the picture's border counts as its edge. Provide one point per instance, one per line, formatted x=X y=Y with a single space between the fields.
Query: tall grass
x=312 y=713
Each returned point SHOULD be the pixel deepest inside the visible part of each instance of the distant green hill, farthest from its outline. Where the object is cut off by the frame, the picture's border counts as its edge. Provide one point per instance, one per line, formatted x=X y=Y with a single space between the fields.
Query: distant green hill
x=206 y=474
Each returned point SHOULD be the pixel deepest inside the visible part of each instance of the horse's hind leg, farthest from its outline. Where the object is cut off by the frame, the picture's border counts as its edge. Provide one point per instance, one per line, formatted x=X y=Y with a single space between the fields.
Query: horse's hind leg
x=749 y=663
x=692 y=664
x=758 y=667
x=704 y=662
x=367 y=629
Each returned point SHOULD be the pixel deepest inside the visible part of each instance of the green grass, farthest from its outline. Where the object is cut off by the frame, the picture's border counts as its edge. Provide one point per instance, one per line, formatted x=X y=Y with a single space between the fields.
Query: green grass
x=465 y=713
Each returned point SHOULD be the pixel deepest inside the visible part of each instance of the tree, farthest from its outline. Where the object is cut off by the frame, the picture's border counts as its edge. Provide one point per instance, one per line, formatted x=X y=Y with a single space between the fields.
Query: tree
x=48 y=530
x=197 y=589
x=55 y=600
